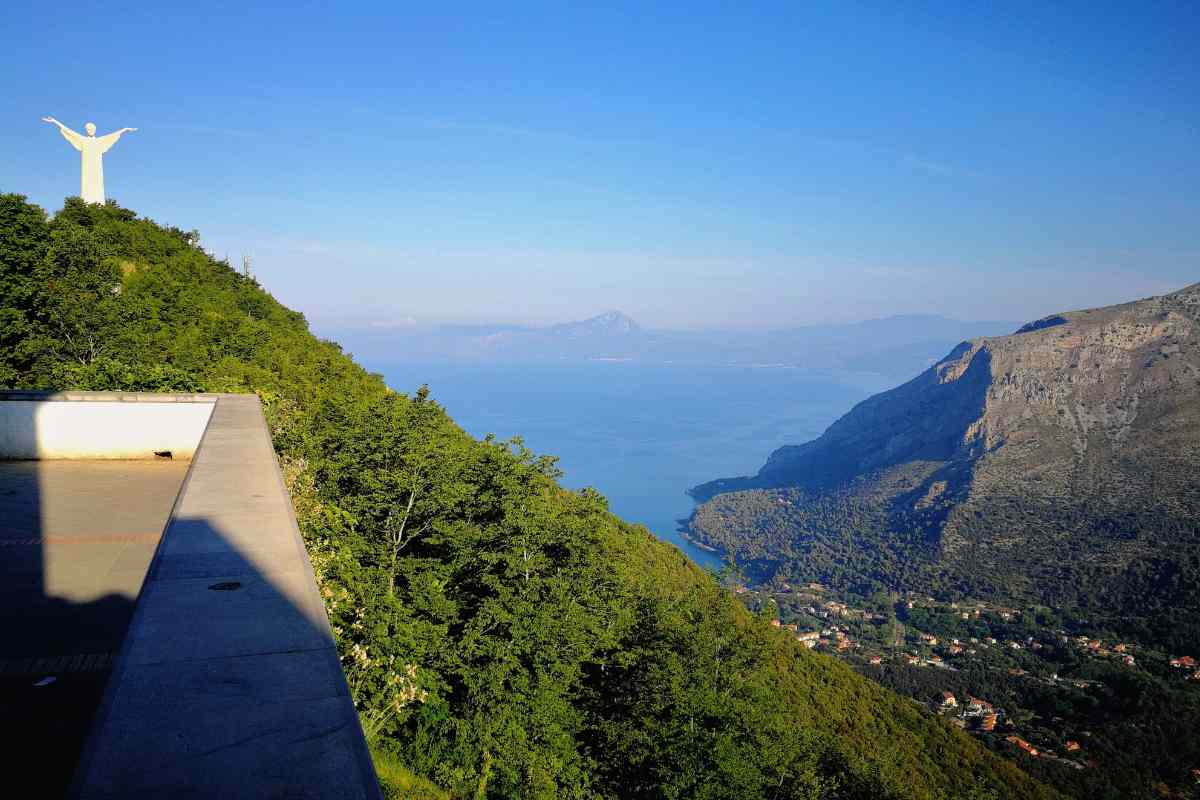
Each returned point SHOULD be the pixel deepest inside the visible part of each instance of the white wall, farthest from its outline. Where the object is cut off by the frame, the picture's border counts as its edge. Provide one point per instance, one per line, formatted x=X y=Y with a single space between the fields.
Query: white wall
x=39 y=429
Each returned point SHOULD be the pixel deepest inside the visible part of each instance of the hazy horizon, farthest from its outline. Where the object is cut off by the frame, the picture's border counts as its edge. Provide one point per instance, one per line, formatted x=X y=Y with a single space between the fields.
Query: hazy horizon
x=411 y=323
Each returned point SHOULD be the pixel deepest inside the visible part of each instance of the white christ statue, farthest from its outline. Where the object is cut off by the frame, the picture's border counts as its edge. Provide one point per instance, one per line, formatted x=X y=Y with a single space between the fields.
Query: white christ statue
x=92 y=149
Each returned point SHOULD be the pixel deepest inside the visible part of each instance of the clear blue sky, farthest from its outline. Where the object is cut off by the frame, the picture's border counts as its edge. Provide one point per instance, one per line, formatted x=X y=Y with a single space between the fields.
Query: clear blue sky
x=695 y=165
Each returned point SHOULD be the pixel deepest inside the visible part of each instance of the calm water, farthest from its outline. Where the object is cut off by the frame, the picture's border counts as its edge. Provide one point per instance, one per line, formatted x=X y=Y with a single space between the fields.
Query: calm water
x=642 y=434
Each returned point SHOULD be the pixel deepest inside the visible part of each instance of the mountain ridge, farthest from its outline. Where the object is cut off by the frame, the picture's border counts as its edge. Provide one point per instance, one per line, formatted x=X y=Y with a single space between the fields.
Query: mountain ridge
x=1078 y=430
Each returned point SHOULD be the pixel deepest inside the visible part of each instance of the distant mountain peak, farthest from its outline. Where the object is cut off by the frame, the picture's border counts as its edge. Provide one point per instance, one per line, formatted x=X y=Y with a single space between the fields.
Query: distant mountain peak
x=607 y=324
x=616 y=321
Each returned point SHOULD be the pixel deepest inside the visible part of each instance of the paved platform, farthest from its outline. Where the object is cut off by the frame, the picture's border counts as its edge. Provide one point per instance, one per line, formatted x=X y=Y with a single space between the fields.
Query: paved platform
x=76 y=542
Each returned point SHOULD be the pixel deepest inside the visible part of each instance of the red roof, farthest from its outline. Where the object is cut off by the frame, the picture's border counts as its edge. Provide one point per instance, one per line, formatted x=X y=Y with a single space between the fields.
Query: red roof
x=1021 y=743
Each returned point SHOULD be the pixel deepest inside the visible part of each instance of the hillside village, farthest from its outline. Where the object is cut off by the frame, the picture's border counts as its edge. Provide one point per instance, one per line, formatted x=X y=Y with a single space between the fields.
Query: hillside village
x=1029 y=683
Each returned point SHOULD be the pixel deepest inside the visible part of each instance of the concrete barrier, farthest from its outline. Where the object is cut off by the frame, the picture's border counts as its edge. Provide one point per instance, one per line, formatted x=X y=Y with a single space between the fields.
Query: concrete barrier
x=101 y=426
x=228 y=683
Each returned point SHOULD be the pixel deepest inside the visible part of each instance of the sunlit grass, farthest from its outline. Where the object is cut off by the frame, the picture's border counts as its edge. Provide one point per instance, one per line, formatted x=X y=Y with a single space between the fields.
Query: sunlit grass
x=399 y=783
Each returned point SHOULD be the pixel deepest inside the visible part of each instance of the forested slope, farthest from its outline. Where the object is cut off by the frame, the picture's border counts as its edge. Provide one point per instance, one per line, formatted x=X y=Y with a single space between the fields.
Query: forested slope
x=503 y=637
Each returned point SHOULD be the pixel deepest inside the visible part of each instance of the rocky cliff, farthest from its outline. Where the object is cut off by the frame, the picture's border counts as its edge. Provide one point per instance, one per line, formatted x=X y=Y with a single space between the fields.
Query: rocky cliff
x=1059 y=464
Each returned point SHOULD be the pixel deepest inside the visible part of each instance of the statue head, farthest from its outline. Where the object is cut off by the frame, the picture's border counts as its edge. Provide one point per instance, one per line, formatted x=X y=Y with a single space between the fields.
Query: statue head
x=90 y=128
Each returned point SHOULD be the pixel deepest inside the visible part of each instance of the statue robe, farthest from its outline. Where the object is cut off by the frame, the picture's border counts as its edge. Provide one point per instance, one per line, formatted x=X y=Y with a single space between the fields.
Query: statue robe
x=91 y=150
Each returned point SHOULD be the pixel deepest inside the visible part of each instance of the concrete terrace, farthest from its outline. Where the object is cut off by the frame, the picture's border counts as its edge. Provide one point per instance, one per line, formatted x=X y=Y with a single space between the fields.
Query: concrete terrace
x=226 y=682
x=77 y=539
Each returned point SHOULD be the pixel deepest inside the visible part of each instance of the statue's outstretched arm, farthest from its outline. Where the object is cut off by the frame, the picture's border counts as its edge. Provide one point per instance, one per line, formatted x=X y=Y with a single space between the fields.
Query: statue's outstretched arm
x=108 y=140
x=76 y=139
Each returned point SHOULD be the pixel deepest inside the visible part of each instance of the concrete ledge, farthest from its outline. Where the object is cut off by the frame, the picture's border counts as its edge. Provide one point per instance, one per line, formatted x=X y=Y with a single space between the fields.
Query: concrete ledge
x=98 y=426
x=112 y=397
x=228 y=683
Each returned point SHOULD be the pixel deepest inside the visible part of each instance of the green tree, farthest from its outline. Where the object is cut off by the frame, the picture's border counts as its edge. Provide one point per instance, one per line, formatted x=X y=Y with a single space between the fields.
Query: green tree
x=24 y=238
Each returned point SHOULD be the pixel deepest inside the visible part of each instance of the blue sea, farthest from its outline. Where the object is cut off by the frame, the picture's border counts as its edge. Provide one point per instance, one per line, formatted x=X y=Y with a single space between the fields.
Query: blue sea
x=643 y=434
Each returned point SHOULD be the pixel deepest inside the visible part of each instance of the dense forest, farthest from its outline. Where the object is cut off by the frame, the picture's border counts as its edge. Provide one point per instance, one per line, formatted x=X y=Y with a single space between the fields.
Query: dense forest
x=502 y=636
